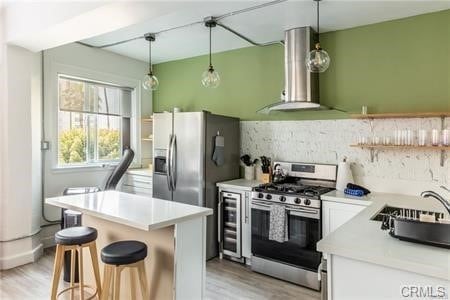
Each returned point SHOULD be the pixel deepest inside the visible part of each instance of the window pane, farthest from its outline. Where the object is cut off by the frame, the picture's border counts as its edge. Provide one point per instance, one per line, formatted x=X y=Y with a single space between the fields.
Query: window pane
x=71 y=94
x=104 y=100
x=72 y=138
x=125 y=108
x=109 y=137
x=91 y=121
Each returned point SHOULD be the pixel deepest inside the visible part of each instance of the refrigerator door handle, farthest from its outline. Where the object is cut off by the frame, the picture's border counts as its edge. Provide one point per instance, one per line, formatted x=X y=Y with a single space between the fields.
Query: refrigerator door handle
x=173 y=163
x=169 y=164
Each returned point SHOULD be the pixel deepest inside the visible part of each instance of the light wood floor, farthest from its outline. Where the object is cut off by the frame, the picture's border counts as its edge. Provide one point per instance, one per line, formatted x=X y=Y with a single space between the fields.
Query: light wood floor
x=224 y=280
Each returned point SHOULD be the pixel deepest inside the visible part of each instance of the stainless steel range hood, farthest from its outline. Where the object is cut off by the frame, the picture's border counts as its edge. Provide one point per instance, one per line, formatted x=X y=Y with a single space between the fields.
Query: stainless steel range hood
x=301 y=86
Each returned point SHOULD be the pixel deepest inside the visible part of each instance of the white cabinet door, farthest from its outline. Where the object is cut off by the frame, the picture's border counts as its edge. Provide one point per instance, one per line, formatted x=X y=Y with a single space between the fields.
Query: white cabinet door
x=246 y=225
x=137 y=184
x=335 y=214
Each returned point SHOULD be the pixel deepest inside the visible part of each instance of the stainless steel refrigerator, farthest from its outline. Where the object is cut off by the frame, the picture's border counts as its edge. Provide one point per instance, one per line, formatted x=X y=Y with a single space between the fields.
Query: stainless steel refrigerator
x=189 y=160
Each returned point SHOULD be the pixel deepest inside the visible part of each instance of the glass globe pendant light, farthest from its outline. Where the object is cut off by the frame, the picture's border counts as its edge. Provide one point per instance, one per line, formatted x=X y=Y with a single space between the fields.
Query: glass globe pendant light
x=210 y=78
x=150 y=81
x=318 y=60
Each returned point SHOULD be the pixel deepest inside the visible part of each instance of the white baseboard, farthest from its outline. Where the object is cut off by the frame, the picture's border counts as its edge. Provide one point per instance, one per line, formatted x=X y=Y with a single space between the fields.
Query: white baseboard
x=47 y=235
x=48 y=242
x=27 y=250
x=18 y=259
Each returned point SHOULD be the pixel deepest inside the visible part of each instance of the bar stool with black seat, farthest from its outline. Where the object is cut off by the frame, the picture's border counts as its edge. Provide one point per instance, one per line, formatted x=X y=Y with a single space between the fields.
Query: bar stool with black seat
x=75 y=239
x=118 y=256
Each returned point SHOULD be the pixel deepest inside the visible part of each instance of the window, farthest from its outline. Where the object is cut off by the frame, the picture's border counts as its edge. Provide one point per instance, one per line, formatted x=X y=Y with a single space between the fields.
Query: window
x=93 y=121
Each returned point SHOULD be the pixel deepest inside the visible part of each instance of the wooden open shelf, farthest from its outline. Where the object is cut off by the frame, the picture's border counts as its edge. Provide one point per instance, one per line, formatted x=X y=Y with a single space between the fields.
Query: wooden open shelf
x=402 y=115
x=147 y=139
x=402 y=147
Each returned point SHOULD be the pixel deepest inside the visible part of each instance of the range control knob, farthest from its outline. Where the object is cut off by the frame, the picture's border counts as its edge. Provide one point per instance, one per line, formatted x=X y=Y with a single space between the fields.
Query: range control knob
x=298 y=200
x=282 y=198
x=268 y=196
x=307 y=202
x=260 y=195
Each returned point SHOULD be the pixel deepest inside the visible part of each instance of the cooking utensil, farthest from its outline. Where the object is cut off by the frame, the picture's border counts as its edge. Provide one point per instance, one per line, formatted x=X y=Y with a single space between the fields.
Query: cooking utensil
x=247 y=160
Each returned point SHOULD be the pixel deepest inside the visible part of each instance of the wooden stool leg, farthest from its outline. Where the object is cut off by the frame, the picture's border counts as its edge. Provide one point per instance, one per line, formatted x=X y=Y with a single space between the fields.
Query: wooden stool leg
x=81 y=272
x=94 y=258
x=133 y=283
x=59 y=255
x=117 y=283
x=143 y=280
x=73 y=254
x=107 y=276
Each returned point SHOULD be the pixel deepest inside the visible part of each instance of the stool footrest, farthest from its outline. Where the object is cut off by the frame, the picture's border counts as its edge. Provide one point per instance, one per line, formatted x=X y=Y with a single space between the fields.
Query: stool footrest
x=77 y=286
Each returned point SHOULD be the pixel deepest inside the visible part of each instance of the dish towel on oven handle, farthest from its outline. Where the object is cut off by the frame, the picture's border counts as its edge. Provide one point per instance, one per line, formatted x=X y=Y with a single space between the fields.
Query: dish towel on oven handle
x=278 y=226
x=219 y=150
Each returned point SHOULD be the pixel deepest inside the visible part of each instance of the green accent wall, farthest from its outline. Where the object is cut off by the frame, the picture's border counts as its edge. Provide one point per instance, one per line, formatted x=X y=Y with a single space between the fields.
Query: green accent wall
x=395 y=66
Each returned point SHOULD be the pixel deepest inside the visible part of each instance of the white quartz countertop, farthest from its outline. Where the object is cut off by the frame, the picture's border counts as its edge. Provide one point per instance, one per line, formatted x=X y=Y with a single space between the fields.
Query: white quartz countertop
x=141 y=172
x=362 y=239
x=241 y=184
x=141 y=212
x=341 y=197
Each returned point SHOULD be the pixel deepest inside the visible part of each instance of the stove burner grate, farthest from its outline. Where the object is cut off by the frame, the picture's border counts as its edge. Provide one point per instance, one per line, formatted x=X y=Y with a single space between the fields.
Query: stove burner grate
x=306 y=190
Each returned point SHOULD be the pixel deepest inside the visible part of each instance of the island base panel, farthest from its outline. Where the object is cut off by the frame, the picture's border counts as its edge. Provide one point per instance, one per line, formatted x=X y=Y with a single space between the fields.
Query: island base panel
x=159 y=262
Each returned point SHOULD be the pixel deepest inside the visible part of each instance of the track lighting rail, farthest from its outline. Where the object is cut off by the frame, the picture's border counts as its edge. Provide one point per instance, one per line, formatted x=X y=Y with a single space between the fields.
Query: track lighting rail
x=246 y=38
x=209 y=19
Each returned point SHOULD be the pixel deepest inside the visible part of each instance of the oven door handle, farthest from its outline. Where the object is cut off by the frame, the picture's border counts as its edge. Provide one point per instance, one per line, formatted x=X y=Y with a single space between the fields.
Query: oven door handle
x=260 y=206
x=301 y=212
x=307 y=213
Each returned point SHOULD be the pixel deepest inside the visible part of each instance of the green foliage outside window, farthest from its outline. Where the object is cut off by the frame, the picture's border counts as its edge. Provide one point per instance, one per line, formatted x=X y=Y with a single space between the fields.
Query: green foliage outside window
x=72 y=145
x=108 y=144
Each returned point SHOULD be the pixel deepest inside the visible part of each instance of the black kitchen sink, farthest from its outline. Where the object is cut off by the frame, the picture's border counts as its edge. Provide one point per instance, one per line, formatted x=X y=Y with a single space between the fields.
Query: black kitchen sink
x=408 y=213
x=434 y=234
x=405 y=224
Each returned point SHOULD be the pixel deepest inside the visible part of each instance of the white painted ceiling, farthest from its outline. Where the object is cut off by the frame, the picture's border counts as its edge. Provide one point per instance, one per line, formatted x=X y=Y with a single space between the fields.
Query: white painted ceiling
x=262 y=25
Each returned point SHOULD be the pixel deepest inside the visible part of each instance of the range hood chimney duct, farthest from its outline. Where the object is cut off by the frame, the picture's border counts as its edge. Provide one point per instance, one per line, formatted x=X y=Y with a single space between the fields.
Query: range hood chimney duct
x=301 y=86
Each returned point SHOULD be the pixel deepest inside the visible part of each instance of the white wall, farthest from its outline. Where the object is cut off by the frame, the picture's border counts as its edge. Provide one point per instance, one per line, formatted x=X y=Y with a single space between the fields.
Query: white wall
x=327 y=141
x=3 y=95
x=20 y=157
x=101 y=65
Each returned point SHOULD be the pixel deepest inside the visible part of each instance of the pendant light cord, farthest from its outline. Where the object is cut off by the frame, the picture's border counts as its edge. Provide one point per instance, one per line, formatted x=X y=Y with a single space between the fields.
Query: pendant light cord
x=318 y=17
x=150 y=57
x=210 y=56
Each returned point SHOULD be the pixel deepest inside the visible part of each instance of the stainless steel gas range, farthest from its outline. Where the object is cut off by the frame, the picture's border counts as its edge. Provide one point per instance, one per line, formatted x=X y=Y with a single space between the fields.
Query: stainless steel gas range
x=295 y=258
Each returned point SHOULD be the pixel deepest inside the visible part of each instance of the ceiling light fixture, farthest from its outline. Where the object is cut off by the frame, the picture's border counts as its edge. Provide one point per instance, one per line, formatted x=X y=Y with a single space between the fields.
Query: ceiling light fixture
x=318 y=60
x=150 y=81
x=210 y=78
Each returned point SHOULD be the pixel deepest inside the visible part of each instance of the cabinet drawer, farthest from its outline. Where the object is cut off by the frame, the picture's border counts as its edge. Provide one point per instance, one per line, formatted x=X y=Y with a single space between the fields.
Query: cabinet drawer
x=139 y=181
x=137 y=190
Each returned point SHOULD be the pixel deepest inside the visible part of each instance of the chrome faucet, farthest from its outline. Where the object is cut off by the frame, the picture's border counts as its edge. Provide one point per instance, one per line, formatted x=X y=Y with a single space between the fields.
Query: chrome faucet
x=438 y=197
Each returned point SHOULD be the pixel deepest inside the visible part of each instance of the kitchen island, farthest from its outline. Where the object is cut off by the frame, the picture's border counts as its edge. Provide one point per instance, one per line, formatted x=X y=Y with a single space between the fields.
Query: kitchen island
x=175 y=234
x=365 y=262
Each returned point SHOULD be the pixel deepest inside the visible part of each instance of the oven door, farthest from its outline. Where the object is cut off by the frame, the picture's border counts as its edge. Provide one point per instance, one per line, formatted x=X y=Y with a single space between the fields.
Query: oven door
x=303 y=234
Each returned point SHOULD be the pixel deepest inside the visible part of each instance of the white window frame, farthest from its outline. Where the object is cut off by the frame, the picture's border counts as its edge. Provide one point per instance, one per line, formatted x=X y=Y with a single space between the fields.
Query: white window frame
x=52 y=71
x=96 y=162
